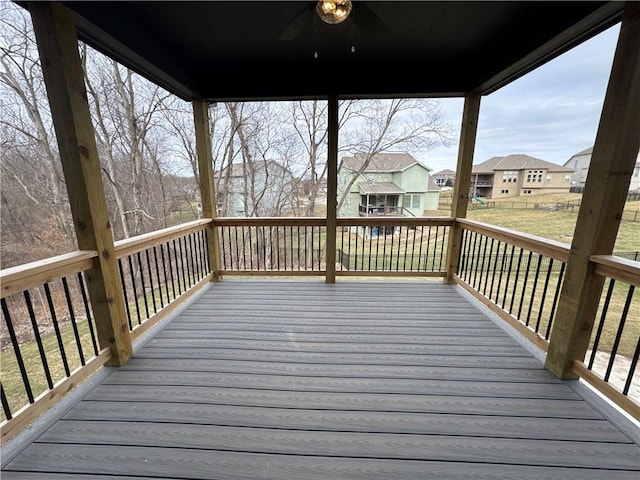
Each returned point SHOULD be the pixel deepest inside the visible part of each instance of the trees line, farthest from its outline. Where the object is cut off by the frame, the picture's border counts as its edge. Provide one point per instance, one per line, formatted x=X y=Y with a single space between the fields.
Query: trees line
x=146 y=144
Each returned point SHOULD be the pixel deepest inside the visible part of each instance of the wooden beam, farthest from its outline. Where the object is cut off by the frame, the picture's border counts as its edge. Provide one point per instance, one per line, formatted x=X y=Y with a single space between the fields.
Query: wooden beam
x=205 y=175
x=468 y=132
x=63 y=75
x=605 y=193
x=332 y=189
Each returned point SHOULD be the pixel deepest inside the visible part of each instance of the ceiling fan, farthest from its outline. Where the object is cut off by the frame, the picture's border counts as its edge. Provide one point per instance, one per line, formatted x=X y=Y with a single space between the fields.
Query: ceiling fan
x=333 y=12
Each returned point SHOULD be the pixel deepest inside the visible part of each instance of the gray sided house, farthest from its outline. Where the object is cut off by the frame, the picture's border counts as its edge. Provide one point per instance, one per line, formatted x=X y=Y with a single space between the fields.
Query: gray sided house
x=580 y=163
x=516 y=175
x=254 y=189
x=393 y=184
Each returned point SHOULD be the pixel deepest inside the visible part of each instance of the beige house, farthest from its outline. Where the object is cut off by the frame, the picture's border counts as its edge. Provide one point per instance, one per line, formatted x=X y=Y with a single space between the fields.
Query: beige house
x=518 y=174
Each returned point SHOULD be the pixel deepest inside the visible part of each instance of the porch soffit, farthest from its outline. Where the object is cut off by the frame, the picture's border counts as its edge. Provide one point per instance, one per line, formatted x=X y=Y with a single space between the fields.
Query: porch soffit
x=231 y=50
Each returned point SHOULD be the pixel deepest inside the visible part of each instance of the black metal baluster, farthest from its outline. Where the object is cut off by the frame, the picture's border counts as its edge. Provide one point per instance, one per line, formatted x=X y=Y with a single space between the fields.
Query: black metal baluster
x=173 y=281
x=442 y=243
x=36 y=332
x=486 y=276
x=507 y=289
x=180 y=257
x=224 y=246
x=479 y=263
x=56 y=328
x=499 y=250
x=155 y=258
x=250 y=248
x=524 y=284
x=544 y=295
x=482 y=261
x=533 y=289
x=153 y=294
x=5 y=403
x=124 y=291
x=16 y=350
x=555 y=301
x=406 y=248
x=186 y=262
x=515 y=282
x=87 y=311
x=135 y=289
x=603 y=316
x=144 y=287
x=420 y=246
x=244 y=249
x=632 y=369
x=72 y=314
x=502 y=267
x=616 y=342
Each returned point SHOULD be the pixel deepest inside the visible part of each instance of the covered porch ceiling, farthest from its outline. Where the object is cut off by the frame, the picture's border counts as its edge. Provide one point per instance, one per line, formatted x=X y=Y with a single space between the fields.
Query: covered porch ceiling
x=266 y=50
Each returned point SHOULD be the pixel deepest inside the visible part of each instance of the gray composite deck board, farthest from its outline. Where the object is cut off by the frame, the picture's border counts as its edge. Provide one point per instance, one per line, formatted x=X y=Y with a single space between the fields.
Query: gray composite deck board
x=282 y=379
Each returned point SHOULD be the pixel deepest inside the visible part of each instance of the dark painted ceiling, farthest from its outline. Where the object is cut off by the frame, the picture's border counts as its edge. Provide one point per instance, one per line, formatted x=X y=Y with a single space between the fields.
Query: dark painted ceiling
x=262 y=50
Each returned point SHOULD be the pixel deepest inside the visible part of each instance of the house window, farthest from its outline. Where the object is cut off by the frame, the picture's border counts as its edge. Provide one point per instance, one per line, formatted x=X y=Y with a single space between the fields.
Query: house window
x=534 y=176
x=411 y=200
x=504 y=191
x=527 y=191
x=567 y=178
x=548 y=179
x=510 y=176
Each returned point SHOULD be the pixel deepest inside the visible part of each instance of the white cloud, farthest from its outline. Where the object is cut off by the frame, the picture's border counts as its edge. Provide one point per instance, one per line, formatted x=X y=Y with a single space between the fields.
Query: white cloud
x=551 y=113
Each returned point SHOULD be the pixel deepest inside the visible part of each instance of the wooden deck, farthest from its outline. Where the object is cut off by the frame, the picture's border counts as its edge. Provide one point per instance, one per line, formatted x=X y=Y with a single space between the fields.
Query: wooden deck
x=281 y=380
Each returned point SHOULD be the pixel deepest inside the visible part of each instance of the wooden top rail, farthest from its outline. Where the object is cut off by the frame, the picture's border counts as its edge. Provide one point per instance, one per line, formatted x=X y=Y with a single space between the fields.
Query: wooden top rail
x=544 y=246
x=147 y=240
x=270 y=221
x=395 y=221
x=622 y=269
x=322 y=222
x=23 y=277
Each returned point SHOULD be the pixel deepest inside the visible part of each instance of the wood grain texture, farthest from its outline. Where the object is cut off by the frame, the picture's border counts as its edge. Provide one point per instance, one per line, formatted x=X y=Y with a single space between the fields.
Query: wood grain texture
x=356 y=389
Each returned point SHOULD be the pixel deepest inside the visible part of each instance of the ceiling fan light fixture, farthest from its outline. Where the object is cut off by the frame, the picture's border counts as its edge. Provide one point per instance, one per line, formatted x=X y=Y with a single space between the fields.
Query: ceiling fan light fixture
x=333 y=11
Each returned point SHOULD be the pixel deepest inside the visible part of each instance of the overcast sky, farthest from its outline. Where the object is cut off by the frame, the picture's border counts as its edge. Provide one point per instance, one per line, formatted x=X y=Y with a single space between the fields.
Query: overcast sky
x=550 y=113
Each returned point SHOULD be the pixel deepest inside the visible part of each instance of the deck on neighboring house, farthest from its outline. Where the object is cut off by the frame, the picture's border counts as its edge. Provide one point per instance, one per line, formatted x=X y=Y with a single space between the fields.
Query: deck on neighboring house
x=278 y=379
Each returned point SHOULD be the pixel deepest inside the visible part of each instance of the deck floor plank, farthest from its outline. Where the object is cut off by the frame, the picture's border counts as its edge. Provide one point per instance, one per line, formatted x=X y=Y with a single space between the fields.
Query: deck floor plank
x=280 y=379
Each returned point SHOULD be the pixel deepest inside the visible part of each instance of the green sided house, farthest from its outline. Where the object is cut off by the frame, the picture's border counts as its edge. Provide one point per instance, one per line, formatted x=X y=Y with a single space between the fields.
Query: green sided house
x=388 y=184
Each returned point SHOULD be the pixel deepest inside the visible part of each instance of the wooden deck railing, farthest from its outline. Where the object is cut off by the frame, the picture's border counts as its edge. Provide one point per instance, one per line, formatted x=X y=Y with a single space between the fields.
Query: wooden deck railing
x=612 y=360
x=294 y=246
x=160 y=269
x=49 y=330
x=49 y=336
x=49 y=340
x=519 y=277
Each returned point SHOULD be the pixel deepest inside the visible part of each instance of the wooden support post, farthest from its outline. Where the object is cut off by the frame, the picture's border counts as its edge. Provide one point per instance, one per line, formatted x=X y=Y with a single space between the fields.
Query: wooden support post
x=332 y=189
x=605 y=193
x=58 y=47
x=463 y=179
x=205 y=175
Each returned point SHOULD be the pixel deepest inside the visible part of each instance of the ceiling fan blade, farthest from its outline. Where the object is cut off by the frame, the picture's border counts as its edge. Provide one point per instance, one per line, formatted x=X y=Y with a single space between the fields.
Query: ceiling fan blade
x=298 y=23
x=367 y=19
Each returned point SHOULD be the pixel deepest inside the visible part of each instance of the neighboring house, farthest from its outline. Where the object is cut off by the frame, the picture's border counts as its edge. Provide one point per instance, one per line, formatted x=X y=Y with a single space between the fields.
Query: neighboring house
x=516 y=175
x=580 y=163
x=391 y=184
x=444 y=178
x=259 y=188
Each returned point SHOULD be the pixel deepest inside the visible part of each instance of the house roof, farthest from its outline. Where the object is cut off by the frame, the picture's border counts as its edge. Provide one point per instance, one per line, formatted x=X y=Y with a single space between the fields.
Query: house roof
x=446 y=171
x=237 y=169
x=382 y=162
x=380 y=188
x=266 y=50
x=517 y=162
